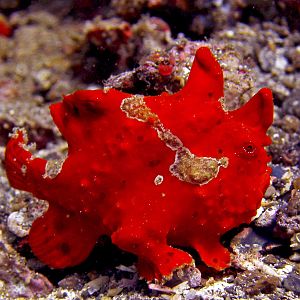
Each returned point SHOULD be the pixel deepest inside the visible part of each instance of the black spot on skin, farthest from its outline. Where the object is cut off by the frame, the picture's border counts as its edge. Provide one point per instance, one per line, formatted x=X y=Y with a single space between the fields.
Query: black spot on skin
x=140 y=138
x=93 y=108
x=86 y=108
x=47 y=240
x=59 y=226
x=154 y=163
x=220 y=151
x=135 y=246
x=195 y=215
x=76 y=111
x=210 y=94
x=119 y=137
x=64 y=248
x=102 y=196
x=123 y=183
x=122 y=153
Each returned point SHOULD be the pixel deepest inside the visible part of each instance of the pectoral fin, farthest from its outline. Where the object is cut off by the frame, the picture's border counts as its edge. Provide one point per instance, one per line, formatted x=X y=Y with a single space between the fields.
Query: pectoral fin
x=62 y=239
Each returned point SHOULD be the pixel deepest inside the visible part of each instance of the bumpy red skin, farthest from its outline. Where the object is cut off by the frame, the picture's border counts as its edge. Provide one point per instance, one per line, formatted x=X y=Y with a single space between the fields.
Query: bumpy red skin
x=106 y=185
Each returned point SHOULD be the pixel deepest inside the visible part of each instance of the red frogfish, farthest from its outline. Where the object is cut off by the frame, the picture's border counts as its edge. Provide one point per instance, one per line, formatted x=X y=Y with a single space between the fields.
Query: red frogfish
x=155 y=173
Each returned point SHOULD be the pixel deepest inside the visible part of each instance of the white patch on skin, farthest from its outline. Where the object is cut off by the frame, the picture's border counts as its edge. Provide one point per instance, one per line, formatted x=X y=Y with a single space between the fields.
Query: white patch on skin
x=24 y=169
x=259 y=212
x=106 y=89
x=196 y=170
x=136 y=108
x=187 y=166
x=158 y=179
x=53 y=168
x=223 y=104
x=15 y=133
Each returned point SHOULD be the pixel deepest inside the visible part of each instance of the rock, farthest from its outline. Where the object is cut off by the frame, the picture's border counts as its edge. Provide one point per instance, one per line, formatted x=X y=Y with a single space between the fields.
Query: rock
x=292 y=282
x=270 y=192
x=293 y=208
x=284 y=147
x=296 y=183
x=268 y=218
x=295 y=257
x=292 y=104
x=290 y=123
x=256 y=282
x=17 y=225
x=96 y=286
x=286 y=226
x=72 y=282
x=18 y=280
x=19 y=222
x=190 y=274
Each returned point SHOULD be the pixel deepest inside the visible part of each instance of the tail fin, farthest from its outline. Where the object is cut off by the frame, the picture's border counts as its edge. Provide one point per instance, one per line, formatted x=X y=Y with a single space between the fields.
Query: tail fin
x=22 y=169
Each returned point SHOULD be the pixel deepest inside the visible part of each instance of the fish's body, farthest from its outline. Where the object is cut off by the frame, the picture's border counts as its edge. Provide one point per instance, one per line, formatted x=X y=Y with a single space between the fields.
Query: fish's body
x=152 y=172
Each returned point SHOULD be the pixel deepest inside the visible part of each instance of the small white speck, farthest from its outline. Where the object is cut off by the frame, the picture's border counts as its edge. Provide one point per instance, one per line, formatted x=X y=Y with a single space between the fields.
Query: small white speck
x=218 y=3
x=24 y=169
x=281 y=63
x=158 y=180
x=230 y=33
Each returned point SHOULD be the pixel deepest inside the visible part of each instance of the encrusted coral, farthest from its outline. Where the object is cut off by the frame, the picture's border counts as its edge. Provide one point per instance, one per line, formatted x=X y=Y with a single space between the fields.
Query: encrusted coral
x=151 y=172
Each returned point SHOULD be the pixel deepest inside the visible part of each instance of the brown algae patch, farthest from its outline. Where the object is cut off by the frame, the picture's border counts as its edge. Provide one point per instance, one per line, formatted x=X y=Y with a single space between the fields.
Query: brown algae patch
x=187 y=166
x=196 y=170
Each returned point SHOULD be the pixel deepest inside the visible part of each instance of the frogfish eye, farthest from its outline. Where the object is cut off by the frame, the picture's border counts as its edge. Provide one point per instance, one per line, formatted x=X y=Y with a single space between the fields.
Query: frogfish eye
x=249 y=149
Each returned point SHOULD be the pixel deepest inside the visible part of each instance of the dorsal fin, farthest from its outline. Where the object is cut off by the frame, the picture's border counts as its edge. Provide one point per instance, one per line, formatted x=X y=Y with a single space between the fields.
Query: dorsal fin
x=258 y=111
x=75 y=115
x=206 y=77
